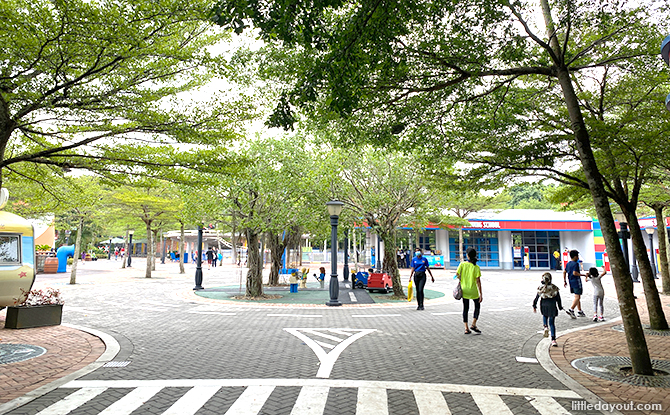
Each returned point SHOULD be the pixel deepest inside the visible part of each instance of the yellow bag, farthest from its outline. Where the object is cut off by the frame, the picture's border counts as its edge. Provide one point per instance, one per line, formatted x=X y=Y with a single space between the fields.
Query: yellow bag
x=410 y=291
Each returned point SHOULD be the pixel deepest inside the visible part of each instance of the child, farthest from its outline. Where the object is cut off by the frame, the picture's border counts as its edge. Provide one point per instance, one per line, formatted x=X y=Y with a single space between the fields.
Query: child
x=598 y=292
x=574 y=275
x=549 y=298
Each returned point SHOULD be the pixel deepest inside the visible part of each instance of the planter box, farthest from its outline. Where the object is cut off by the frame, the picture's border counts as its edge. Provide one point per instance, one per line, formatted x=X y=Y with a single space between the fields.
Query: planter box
x=39 y=316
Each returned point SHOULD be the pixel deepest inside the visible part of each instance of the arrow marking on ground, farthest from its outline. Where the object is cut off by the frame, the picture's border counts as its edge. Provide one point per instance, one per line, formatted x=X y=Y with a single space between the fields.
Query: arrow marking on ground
x=326 y=338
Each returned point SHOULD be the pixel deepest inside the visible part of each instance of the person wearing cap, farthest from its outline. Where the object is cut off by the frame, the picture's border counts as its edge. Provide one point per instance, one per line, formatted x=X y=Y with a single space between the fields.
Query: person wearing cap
x=573 y=274
x=419 y=267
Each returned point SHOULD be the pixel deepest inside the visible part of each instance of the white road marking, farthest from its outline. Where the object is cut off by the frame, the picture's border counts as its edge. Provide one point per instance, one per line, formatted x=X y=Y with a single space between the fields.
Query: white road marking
x=547 y=406
x=192 y=401
x=72 y=402
x=375 y=315
x=133 y=400
x=328 y=359
x=503 y=309
x=431 y=402
x=323 y=344
x=218 y=313
x=491 y=404
x=158 y=303
x=311 y=401
x=343 y=333
x=296 y=315
x=352 y=297
x=324 y=335
x=372 y=401
x=447 y=313
x=330 y=383
x=521 y=359
x=251 y=401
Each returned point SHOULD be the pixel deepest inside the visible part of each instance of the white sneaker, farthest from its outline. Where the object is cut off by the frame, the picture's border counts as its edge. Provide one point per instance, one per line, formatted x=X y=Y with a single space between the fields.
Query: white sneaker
x=546 y=332
x=554 y=344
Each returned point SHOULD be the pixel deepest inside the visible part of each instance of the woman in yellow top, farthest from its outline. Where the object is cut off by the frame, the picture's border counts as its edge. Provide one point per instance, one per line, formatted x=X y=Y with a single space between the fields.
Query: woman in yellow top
x=468 y=273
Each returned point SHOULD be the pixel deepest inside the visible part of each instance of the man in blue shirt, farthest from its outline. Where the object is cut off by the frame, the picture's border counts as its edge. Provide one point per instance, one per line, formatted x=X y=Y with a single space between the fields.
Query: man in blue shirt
x=419 y=267
x=574 y=275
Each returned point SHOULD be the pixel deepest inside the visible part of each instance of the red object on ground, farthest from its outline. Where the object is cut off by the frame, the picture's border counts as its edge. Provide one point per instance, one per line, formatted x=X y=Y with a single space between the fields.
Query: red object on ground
x=607 y=262
x=380 y=281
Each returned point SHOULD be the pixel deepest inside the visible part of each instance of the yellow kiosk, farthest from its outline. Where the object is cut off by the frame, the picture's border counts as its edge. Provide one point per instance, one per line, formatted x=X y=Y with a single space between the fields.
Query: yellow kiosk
x=17 y=256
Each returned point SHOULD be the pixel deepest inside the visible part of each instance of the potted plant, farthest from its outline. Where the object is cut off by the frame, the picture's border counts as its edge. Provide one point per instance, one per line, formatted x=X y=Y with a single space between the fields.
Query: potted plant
x=39 y=308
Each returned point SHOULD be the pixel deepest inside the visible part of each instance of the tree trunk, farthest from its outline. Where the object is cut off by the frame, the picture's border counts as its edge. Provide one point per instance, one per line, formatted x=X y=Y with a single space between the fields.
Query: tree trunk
x=157 y=246
x=124 y=259
x=276 y=249
x=460 y=256
x=663 y=248
x=181 y=249
x=147 y=273
x=657 y=319
x=637 y=344
x=255 y=274
x=390 y=264
x=77 y=252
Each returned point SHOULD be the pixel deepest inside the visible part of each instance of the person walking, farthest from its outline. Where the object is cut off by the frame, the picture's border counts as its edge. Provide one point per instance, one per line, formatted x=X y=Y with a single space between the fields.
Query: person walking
x=419 y=267
x=598 y=292
x=549 y=298
x=469 y=275
x=573 y=274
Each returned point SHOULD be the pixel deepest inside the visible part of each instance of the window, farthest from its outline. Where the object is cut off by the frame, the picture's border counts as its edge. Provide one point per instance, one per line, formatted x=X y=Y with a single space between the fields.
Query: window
x=485 y=242
x=10 y=252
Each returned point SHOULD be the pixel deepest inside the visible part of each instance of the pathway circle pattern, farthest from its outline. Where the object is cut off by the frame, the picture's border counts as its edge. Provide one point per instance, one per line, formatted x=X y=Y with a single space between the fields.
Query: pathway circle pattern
x=647 y=330
x=13 y=353
x=609 y=368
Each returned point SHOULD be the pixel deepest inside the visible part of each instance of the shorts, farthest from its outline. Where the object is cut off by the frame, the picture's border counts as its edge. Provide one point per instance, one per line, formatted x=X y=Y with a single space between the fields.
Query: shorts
x=576 y=287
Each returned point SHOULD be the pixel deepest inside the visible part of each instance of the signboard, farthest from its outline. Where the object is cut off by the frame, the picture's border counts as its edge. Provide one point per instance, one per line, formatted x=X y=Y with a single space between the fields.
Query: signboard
x=517 y=252
x=484 y=225
x=435 y=261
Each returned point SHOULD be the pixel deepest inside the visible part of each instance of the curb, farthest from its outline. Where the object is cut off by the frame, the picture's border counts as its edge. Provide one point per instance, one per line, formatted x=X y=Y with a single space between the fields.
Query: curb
x=543 y=357
x=111 y=349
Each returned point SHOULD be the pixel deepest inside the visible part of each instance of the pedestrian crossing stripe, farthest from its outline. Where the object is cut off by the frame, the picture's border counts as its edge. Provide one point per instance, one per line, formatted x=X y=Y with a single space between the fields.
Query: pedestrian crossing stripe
x=372 y=396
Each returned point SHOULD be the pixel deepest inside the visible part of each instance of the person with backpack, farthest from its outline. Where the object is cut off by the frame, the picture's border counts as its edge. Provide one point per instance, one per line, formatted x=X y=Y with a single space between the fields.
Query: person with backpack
x=549 y=297
x=469 y=273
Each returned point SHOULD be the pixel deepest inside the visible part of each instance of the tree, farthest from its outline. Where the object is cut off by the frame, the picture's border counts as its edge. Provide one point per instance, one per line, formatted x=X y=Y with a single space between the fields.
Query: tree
x=394 y=65
x=384 y=189
x=148 y=201
x=83 y=81
x=658 y=198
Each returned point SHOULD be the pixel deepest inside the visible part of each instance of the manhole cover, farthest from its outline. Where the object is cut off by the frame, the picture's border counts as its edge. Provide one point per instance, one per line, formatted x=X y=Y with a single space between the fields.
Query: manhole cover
x=647 y=330
x=12 y=353
x=617 y=369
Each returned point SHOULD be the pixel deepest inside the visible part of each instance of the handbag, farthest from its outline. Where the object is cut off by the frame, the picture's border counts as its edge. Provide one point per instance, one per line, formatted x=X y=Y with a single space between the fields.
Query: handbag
x=458 y=291
x=410 y=291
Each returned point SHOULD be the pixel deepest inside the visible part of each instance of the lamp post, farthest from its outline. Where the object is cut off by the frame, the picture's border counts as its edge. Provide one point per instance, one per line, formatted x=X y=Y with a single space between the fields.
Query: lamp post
x=163 y=256
x=334 y=209
x=650 y=231
x=109 y=249
x=130 y=246
x=198 y=261
x=345 y=270
x=624 y=235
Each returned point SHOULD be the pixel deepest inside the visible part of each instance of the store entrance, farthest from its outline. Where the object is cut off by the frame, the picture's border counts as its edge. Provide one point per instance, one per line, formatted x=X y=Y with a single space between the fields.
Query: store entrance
x=540 y=244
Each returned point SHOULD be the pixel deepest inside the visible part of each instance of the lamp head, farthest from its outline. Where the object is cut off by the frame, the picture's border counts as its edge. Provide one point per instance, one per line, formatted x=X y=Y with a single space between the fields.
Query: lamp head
x=619 y=216
x=650 y=230
x=130 y=232
x=334 y=207
x=665 y=49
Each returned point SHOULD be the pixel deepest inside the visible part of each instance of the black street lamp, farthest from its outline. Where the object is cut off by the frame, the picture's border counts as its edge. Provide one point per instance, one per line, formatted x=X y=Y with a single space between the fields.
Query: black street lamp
x=109 y=249
x=334 y=209
x=650 y=231
x=345 y=270
x=198 y=261
x=130 y=246
x=163 y=256
x=624 y=235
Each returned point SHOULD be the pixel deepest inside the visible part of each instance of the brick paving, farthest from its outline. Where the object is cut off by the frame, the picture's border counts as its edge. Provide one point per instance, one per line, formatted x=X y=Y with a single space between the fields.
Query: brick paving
x=604 y=341
x=68 y=350
x=167 y=332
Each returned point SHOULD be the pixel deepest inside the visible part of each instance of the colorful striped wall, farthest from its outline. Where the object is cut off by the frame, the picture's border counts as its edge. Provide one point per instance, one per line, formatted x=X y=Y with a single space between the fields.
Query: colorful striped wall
x=599 y=243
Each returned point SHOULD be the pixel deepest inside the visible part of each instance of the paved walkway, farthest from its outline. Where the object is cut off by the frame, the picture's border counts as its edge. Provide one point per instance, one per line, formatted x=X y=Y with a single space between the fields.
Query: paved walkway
x=180 y=353
x=605 y=341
